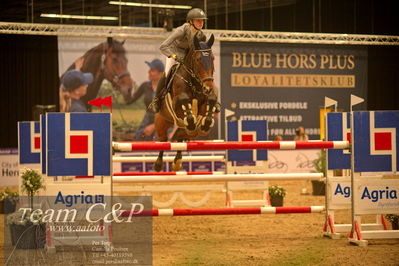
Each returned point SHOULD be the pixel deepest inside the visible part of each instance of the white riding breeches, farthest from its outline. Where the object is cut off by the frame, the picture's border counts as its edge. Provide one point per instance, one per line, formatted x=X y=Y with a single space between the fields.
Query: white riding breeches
x=169 y=63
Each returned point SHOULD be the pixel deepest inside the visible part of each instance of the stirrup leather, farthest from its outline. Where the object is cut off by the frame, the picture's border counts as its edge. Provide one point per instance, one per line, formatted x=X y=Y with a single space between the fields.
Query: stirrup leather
x=155 y=105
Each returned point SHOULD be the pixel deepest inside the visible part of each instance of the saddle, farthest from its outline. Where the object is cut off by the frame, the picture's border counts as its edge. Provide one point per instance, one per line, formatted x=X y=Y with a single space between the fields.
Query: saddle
x=169 y=79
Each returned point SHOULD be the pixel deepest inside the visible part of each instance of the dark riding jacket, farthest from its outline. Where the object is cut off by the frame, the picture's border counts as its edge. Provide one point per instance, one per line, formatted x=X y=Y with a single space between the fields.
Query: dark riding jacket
x=178 y=42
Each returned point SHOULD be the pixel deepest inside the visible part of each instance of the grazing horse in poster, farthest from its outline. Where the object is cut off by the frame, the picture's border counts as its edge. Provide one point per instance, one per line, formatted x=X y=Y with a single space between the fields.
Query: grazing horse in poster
x=191 y=101
x=107 y=61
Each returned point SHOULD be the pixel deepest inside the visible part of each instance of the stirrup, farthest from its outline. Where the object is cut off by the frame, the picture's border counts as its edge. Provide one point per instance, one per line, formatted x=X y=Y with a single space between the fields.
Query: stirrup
x=155 y=105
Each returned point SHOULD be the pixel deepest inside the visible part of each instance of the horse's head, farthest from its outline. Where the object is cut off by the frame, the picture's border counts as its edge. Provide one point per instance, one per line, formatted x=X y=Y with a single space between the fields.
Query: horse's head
x=203 y=62
x=115 y=67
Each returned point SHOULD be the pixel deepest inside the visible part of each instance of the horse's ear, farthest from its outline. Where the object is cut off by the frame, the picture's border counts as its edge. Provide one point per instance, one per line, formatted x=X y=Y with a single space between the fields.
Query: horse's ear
x=196 y=43
x=110 y=41
x=211 y=40
x=123 y=42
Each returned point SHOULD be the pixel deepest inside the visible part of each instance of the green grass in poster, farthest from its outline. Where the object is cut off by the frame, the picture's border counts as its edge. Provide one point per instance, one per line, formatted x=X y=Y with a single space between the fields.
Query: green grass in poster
x=125 y=118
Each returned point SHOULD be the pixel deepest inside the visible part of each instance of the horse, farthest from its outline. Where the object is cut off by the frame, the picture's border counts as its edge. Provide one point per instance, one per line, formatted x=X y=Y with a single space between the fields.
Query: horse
x=191 y=102
x=107 y=61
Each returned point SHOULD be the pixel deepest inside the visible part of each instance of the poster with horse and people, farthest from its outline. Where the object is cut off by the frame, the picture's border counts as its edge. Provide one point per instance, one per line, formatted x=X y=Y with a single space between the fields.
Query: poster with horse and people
x=128 y=71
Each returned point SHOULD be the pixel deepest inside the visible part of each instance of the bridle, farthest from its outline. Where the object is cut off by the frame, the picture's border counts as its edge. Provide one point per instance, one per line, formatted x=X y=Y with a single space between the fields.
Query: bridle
x=193 y=72
x=105 y=70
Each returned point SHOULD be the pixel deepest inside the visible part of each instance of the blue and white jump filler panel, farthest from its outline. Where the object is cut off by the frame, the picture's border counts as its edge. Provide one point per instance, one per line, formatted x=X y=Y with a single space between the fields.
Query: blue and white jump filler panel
x=78 y=144
x=375 y=145
x=244 y=161
x=77 y=154
x=247 y=161
x=338 y=188
x=338 y=129
x=247 y=130
x=43 y=149
x=29 y=143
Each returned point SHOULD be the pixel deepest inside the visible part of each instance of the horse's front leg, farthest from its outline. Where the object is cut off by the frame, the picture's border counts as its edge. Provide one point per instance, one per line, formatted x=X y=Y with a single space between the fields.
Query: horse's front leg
x=208 y=121
x=189 y=119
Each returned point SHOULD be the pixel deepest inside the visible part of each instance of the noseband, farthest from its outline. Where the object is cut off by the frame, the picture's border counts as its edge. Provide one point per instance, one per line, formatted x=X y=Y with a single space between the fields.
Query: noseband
x=105 y=70
x=196 y=72
x=194 y=75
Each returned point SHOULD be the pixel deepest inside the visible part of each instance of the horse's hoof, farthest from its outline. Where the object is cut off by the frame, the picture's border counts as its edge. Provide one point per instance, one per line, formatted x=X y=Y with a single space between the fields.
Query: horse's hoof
x=190 y=122
x=158 y=165
x=207 y=123
x=177 y=165
x=202 y=133
x=191 y=132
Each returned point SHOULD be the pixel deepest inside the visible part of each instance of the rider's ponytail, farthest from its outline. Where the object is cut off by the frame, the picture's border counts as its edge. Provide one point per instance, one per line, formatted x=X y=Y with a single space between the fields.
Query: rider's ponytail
x=65 y=100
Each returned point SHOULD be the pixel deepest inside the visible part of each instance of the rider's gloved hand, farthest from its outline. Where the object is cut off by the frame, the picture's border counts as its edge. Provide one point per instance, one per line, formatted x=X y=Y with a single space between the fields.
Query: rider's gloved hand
x=176 y=58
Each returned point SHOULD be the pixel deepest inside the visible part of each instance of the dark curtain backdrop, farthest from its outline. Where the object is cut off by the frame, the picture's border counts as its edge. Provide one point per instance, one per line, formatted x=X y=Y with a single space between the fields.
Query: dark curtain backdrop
x=383 y=78
x=29 y=76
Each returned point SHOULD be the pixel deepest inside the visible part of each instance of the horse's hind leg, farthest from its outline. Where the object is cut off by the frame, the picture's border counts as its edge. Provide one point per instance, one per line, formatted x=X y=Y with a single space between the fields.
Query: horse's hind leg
x=158 y=165
x=177 y=161
x=161 y=127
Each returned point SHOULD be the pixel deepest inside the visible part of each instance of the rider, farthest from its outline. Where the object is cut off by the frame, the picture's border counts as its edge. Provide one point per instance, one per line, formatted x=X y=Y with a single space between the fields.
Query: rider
x=176 y=46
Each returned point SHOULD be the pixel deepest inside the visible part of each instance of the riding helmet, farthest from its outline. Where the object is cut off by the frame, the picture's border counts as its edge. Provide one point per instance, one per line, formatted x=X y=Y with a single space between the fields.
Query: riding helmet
x=196 y=13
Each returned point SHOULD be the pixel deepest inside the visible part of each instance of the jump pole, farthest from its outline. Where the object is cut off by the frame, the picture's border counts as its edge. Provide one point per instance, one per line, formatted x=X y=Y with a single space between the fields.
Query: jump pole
x=141 y=159
x=181 y=173
x=228 y=145
x=224 y=211
x=217 y=178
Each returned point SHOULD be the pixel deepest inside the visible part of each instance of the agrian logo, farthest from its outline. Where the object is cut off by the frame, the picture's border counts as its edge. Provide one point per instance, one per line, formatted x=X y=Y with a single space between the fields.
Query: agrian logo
x=70 y=200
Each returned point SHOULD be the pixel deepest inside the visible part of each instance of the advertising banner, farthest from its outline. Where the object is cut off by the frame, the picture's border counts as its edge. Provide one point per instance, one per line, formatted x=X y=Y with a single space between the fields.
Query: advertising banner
x=9 y=167
x=285 y=84
x=126 y=70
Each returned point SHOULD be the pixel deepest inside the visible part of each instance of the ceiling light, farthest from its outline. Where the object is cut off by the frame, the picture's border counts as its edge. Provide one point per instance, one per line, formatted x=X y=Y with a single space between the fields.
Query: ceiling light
x=78 y=17
x=148 y=5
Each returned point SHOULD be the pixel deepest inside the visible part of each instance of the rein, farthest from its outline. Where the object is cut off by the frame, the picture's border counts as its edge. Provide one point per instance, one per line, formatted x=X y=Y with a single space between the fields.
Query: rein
x=105 y=70
x=194 y=76
x=115 y=79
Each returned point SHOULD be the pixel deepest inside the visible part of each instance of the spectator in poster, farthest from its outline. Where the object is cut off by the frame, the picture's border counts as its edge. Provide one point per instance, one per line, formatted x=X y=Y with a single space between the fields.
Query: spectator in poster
x=300 y=134
x=73 y=87
x=146 y=130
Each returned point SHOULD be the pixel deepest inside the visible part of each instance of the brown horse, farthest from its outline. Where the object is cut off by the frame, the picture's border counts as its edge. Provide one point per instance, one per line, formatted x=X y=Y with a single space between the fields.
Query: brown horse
x=107 y=61
x=191 y=102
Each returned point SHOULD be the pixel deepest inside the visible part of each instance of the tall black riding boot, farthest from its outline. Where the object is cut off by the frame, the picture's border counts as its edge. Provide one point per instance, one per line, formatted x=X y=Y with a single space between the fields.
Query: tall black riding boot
x=155 y=105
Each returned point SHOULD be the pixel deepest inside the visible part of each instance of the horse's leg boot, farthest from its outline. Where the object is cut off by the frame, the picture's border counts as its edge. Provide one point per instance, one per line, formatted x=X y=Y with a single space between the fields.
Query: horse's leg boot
x=208 y=122
x=189 y=118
